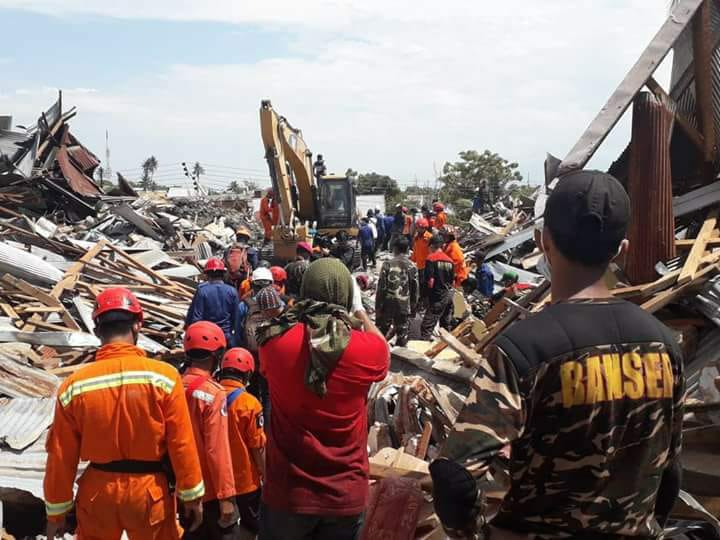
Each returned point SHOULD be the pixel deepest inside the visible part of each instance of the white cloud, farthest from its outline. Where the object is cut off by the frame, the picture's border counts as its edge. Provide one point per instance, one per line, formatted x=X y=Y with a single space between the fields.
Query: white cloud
x=386 y=86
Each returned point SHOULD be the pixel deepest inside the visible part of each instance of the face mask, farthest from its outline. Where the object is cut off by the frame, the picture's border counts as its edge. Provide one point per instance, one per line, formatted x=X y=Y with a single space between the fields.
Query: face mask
x=544 y=268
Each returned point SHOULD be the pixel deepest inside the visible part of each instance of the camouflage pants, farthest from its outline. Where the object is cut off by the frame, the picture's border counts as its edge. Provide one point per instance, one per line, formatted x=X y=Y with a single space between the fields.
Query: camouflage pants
x=401 y=323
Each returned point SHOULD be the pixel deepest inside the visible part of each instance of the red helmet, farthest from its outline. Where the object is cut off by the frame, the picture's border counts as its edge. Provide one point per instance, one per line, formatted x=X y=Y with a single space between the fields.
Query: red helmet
x=404 y=209
x=214 y=265
x=117 y=299
x=270 y=193
x=422 y=222
x=305 y=247
x=240 y=359
x=438 y=207
x=204 y=336
x=278 y=273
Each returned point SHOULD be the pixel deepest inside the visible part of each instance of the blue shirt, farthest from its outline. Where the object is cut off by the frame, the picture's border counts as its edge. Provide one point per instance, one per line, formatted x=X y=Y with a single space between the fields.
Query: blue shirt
x=216 y=302
x=388 y=222
x=485 y=280
x=366 y=237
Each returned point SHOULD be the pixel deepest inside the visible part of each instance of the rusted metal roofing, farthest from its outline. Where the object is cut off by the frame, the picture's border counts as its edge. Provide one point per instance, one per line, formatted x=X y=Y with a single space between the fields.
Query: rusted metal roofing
x=19 y=380
x=652 y=238
x=76 y=179
x=84 y=158
x=23 y=421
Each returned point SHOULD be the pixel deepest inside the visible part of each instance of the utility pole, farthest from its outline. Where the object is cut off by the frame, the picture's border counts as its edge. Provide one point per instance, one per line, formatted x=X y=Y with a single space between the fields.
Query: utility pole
x=107 y=171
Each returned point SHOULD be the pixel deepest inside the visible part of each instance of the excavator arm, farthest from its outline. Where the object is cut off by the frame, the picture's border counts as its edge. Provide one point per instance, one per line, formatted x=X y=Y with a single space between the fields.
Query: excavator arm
x=285 y=146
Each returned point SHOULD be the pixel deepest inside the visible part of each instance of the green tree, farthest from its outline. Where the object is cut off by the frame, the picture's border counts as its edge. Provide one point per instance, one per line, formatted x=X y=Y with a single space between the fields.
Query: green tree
x=234 y=187
x=376 y=184
x=487 y=171
x=149 y=166
x=251 y=186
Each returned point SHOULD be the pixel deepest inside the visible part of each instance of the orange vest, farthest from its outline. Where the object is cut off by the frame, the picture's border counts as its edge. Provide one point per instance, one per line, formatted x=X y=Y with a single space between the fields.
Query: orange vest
x=245 y=424
x=421 y=249
x=122 y=406
x=208 y=412
x=454 y=251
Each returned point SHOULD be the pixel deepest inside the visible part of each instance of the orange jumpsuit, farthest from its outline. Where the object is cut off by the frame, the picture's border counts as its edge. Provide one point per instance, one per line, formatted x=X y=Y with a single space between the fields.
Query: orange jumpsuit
x=407 y=225
x=245 y=421
x=421 y=250
x=269 y=216
x=123 y=406
x=208 y=412
x=440 y=220
x=455 y=252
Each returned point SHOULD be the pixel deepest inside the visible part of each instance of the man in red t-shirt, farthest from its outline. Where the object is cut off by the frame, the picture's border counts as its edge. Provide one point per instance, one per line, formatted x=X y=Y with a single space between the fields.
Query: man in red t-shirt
x=317 y=464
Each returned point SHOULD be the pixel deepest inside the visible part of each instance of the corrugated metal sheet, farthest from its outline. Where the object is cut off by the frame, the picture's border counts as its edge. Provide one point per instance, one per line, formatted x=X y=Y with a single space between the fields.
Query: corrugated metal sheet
x=683 y=78
x=24 y=470
x=83 y=158
x=23 y=421
x=27 y=266
x=19 y=380
x=652 y=238
x=76 y=179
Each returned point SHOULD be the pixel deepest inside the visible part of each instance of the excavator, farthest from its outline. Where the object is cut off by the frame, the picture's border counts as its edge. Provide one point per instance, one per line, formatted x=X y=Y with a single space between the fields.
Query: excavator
x=305 y=194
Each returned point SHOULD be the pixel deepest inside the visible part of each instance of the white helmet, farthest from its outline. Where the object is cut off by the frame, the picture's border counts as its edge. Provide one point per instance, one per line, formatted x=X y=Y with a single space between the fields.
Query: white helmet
x=262 y=274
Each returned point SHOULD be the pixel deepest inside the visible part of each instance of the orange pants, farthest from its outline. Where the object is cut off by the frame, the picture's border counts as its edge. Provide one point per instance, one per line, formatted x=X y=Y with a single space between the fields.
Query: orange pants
x=139 y=504
x=267 y=226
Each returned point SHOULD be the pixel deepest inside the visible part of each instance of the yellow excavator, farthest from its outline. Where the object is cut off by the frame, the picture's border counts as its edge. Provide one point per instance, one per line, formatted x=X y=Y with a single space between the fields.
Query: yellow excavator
x=305 y=194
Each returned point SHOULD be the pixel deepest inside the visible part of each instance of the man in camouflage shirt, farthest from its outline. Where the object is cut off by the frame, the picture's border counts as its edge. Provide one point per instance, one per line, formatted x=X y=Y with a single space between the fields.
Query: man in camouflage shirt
x=587 y=397
x=398 y=292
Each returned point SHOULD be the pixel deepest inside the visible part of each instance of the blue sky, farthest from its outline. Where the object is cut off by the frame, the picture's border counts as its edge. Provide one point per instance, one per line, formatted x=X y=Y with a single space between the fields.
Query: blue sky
x=397 y=88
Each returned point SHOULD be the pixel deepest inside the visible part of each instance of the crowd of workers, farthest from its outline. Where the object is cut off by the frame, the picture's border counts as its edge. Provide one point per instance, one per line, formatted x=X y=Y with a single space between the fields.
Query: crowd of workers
x=266 y=428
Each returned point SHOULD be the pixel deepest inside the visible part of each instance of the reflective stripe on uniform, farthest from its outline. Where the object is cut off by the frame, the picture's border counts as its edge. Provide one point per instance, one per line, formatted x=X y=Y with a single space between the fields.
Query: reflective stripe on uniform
x=58 y=509
x=115 y=380
x=192 y=493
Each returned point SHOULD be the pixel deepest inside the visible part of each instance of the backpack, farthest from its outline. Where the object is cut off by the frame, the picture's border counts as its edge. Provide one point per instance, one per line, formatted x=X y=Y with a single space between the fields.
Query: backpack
x=397 y=284
x=237 y=263
x=252 y=321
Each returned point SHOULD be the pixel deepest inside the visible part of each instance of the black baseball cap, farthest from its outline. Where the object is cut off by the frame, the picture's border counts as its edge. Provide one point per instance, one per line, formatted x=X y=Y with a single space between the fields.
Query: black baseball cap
x=588 y=214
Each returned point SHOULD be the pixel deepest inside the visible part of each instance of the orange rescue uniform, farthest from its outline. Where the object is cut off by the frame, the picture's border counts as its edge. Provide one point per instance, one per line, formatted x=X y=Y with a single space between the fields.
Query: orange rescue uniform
x=421 y=250
x=245 y=421
x=407 y=225
x=269 y=216
x=208 y=412
x=455 y=252
x=123 y=406
x=440 y=220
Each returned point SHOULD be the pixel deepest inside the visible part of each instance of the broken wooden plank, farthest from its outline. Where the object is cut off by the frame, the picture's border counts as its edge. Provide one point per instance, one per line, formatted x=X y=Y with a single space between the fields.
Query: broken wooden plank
x=661 y=300
x=424 y=440
x=41 y=296
x=72 y=274
x=462 y=328
x=693 y=260
x=469 y=356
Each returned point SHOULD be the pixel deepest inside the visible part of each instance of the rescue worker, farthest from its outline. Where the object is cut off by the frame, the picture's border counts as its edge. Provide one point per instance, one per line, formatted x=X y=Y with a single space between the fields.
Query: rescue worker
x=587 y=395
x=270 y=303
x=398 y=292
x=398 y=224
x=204 y=345
x=367 y=244
x=380 y=226
x=215 y=301
x=296 y=269
x=279 y=276
x=408 y=224
x=484 y=276
x=247 y=436
x=343 y=250
x=440 y=279
x=454 y=251
x=123 y=413
x=440 y=215
x=268 y=214
x=388 y=226
x=511 y=286
x=421 y=244
x=241 y=258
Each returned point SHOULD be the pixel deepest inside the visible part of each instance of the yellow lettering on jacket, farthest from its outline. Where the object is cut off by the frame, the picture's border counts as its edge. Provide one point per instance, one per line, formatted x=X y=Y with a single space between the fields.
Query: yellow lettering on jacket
x=667 y=375
x=595 y=385
x=573 y=390
x=632 y=369
x=611 y=377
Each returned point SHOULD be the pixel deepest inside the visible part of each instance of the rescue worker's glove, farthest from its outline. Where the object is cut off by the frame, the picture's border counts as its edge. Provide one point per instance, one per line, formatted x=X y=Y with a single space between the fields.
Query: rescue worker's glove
x=456 y=498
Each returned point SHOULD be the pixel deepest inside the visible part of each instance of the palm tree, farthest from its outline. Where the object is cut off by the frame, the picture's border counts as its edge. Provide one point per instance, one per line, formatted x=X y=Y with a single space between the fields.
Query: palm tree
x=149 y=167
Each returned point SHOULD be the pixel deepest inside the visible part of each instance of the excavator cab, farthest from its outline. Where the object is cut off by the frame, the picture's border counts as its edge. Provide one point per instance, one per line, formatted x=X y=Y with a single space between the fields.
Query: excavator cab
x=336 y=204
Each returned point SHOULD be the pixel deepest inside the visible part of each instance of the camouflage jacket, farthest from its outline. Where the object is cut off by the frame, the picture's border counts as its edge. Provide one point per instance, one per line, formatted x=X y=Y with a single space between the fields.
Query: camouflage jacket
x=588 y=397
x=398 y=288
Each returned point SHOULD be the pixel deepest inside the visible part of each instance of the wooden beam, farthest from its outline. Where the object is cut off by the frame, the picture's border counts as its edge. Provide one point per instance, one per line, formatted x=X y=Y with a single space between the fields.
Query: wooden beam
x=689 y=243
x=702 y=53
x=661 y=300
x=40 y=296
x=469 y=356
x=461 y=329
x=72 y=275
x=692 y=262
x=693 y=134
